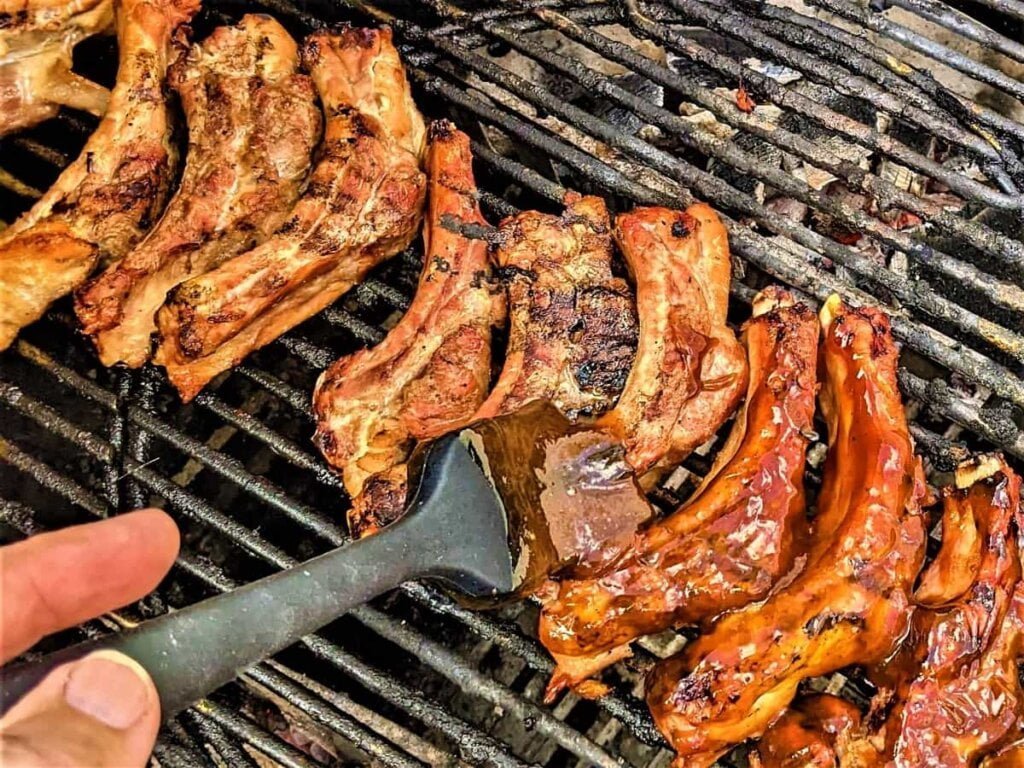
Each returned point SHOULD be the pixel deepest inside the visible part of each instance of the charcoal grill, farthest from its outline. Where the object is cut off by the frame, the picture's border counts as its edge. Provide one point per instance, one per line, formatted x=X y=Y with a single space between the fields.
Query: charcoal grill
x=632 y=100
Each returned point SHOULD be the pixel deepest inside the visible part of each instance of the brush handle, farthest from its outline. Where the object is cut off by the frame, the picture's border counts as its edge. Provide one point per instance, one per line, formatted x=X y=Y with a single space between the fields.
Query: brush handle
x=191 y=652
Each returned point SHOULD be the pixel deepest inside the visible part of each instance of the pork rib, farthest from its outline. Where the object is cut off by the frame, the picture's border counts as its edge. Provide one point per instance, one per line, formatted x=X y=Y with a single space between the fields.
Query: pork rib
x=573 y=324
x=103 y=202
x=363 y=204
x=733 y=541
x=690 y=371
x=952 y=693
x=851 y=603
x=253 y=123
x=36 y=40
x=432 y=372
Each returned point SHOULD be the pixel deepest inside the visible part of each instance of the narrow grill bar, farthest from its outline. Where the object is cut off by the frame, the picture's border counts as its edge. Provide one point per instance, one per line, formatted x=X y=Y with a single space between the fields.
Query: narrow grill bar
x=136 y=436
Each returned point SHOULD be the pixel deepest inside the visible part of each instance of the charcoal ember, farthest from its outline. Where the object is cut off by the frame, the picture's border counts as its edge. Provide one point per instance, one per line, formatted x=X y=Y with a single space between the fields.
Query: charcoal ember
x=624 y=118
x=852 y=201
x=765 y=153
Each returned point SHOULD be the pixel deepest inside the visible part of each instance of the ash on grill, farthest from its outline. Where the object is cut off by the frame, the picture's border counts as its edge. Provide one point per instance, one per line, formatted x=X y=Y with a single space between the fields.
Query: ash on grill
x=884 y=164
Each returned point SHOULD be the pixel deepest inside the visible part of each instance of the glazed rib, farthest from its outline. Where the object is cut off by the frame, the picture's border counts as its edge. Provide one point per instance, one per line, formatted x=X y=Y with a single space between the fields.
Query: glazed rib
x=363 y=204
x=253 y=122
x=689 y=372
x=572 y=323
x=104 y=202
x=821 y=731
x=952 y=693
x=733 y=541
x=432 y=372
x=851 y=603
x=36 y=40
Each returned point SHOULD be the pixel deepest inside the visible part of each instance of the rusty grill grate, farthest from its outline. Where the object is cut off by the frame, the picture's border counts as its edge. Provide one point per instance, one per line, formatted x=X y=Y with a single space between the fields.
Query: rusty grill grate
x=918 y=108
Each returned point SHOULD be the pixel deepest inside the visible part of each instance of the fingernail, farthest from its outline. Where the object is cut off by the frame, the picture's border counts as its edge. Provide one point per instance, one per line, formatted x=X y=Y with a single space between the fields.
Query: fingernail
x=109 y=687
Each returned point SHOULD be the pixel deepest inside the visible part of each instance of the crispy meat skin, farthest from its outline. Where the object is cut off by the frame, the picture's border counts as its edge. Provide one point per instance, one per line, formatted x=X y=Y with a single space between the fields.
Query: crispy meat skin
x=573 y=324
x=690 y=372
x=432 y=372
x=952 y=693
x=363 y=204
x=850 y=604
x=105 y=201
x=733 y=541
x=253 y=122
x=36 y=40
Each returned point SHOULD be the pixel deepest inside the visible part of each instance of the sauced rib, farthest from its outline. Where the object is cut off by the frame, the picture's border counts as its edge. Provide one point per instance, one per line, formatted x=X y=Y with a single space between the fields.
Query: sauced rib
x=253 y=122
x=689 y=372
x=432 y=372
x=731 y=543
x=363 y=204
x=103 y=202
x=952 y=693
x=36 y=40
x=851 y=603
x=573 y=324
x=821 y=731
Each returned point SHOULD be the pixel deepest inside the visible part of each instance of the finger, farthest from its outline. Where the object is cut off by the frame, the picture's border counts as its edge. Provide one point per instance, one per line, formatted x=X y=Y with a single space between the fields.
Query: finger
x=56 y=580
x=101 y=711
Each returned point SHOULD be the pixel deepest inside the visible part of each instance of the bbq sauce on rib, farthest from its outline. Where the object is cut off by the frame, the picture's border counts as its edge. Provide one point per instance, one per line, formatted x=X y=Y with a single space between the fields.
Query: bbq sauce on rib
x=571 y=500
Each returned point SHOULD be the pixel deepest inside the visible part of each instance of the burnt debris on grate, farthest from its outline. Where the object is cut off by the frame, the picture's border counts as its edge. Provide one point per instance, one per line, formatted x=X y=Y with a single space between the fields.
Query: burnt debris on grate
x=873 y=153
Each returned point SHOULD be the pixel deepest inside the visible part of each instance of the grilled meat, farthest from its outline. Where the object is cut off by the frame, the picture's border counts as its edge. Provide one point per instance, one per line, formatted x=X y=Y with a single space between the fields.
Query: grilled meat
x=851 y=603
x=104 y=202
x=36 y=40
x=432 y=372
x=363 y=204
x=573 y=324
x=253 y=123
x=952 y=693
x=690 y=371
x=820 y=731
x=733 y=541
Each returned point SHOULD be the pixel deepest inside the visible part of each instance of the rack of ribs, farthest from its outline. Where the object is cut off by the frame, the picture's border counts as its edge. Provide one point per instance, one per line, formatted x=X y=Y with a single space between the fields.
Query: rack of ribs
x=573 y=326
x=363 y=204
x=851 y=602
x=36 y=40
x=433 y=371
x=735 y=539
x=951 y=696
x=253 y=123
x=103 y=202
x=690 y=372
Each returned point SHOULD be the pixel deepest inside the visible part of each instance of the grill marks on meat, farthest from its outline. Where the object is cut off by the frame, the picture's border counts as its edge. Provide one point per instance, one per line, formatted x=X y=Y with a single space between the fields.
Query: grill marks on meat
x=690 y=372
x=36 y=40
x=851 y=603
x=253 y=123
x=573 y=324
x=733 y=541
x=363 y=204
x=432 y=372
x=952 y=693
x=104 y=202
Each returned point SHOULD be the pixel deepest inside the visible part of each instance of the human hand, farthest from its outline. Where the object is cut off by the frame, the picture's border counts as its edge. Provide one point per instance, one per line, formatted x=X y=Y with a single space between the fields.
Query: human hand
x=102 y=710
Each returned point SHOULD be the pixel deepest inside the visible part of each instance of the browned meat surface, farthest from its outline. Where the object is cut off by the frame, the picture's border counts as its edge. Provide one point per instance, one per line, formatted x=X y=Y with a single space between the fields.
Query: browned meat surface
x=851 y=602
x=36 y=40
x=732 y=542
x=952 y=694
x=363 y=204
x=690 y=372
x=432 y=372
x=253 y=123
x=573 y=324
x=820 y=731
x=103 y=202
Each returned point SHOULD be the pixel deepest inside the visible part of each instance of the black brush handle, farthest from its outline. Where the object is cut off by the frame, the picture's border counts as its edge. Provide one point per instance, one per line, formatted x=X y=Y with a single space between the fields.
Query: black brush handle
x=191 y=652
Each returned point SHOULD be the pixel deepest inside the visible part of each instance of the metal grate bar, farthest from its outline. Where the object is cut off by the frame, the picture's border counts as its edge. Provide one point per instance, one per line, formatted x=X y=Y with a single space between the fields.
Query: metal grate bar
x=958 y=22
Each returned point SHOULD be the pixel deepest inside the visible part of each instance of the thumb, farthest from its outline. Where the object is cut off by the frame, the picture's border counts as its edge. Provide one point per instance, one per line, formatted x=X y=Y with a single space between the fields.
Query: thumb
x=101 y=711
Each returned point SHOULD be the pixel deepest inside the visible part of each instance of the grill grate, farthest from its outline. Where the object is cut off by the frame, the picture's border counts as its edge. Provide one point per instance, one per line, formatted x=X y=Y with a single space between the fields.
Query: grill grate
x=557 y=94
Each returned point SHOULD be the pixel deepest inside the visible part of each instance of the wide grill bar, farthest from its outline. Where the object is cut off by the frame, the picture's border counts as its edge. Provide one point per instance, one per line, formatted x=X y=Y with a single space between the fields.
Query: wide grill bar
x=415 y=679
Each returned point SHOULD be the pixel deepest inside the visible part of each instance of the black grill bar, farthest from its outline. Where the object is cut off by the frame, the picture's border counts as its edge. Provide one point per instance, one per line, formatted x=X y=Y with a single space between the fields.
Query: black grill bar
x=434 y=655
x=963 y=25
